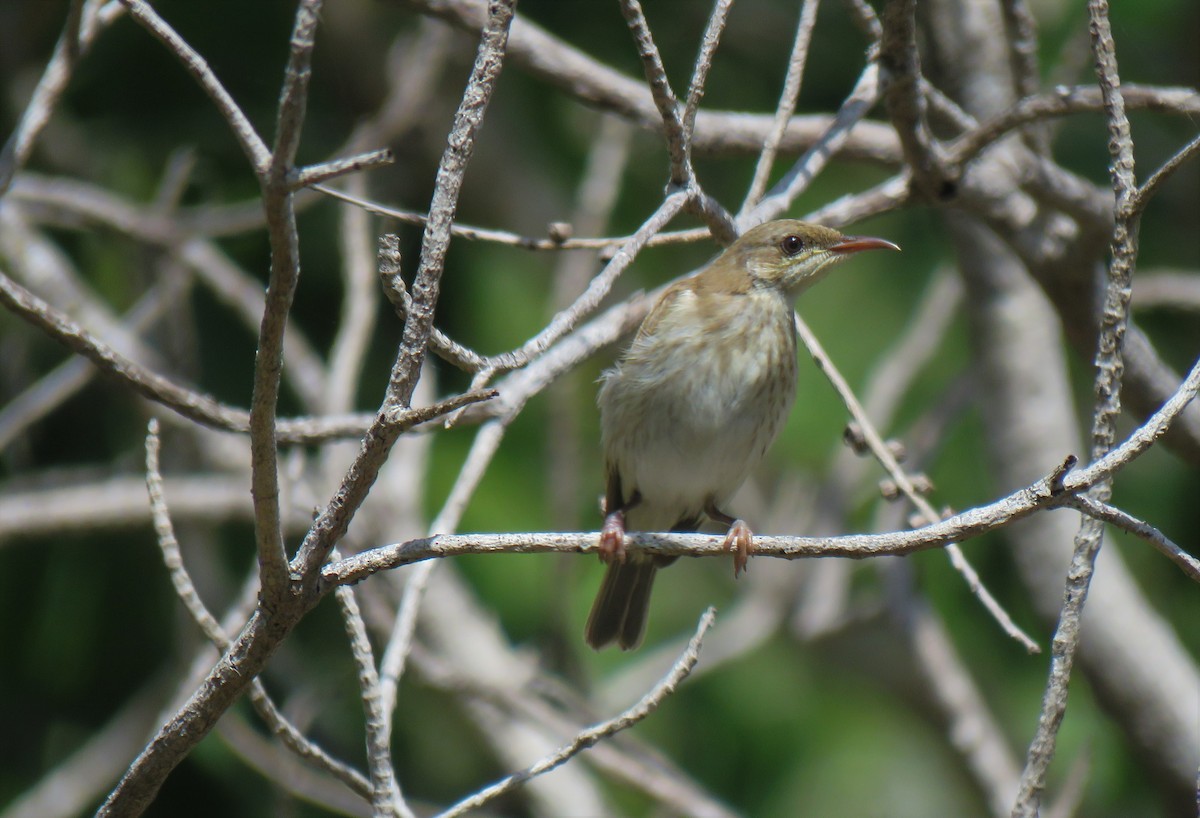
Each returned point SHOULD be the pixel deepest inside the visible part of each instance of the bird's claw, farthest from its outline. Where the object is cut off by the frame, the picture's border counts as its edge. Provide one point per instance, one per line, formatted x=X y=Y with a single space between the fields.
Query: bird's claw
x=612 y=538
x=739 y=540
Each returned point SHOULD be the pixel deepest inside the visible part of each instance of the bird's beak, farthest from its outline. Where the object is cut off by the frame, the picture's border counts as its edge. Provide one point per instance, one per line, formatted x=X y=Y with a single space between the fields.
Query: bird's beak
x=855 y=244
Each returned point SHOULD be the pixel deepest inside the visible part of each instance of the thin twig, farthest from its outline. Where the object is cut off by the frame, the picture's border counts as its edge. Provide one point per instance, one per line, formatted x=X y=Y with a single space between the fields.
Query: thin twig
x=1147 y=191
x=62 y=507
x=1065 y=101
x=595 y=199
x=865 y=18
x=386 y=798
x=510 y=239
x=587 y=738
x=786 y=105
x=316 y=174
x=861 y=99
x=708 y=47
x=626 y=761
x=150 y=224
x=50 y=391
x=391 y=276
x=400 y=641
x=958 y=528
x=192 y=405
x=597 y=289
x=597 y=85
x=1167 y=290
x=1021 y=30
x=945 y=682
x=169 y=545
x=251 y=143
x=84 y=22
x=1109 y=370
x=214 y=631
x=516 y=389
x=887 y=459
x=331 y=524
x=885 y=197
x=1139 y=528
x=660 y=89
x=906 y=104
x=360 y=300
x=195 y=405
x=284 y=276
x=395 y=655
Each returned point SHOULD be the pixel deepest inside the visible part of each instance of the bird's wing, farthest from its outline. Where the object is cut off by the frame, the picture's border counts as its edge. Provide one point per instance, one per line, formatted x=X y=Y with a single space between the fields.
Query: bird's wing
x=663 y=306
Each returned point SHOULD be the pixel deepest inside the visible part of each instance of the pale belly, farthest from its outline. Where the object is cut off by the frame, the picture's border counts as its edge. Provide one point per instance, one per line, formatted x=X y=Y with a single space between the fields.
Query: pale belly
x=685 y=436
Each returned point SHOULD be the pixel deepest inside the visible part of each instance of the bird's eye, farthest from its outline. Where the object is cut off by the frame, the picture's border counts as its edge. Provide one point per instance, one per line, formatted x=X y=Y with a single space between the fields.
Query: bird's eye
x=791 y=245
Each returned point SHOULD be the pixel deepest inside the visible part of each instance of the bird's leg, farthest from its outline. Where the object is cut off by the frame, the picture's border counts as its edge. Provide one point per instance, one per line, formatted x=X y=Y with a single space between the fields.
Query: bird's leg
x=612 y=537
x=739 y=540
x=612 y=534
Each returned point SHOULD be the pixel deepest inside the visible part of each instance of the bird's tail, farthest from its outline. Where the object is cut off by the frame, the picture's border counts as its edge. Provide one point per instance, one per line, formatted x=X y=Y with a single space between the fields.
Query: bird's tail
x=619 y=612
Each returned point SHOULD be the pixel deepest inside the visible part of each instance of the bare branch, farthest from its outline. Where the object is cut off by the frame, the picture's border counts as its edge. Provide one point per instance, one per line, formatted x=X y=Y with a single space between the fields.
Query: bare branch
x=971 y=729
x=386 y=798
x=248 y=139
x=329 y=527
x=596 y=84
x=316 y=174
x=436 y=238
x=906 y=103
x=786 y=106
x=884 y=197
x=1139 y=528
x=904 y=483
x=169 y=545
x=506 y=237
x=865 y=18
x=190 y=404
x=1021 y=28
x=796 y=180
x=84 y=22
x=360 y=299
x=647 y=705
x=400 y=641
x=708 y=48
x=185 y=589
x=664 y=98
x=1064 y=101
x=262 y=634
x=195 y=405
x=1167 y=290
x=597 y=289
x=293 y=100
x=49 y=392
x=1147 y=191
x=71 y=788
x=1109 y=370
x=281 y=291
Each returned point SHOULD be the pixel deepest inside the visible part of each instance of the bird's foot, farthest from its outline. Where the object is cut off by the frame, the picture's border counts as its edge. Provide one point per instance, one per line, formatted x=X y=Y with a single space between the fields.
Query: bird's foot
x=612 y=538
x=739 y=540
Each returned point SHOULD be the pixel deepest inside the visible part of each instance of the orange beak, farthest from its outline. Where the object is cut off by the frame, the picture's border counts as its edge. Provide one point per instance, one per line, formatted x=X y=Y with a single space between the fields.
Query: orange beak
x=855 y=244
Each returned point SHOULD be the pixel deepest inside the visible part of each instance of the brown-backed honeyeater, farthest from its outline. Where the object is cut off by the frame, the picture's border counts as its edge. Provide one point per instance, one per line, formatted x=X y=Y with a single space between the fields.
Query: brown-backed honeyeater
x=695 y=402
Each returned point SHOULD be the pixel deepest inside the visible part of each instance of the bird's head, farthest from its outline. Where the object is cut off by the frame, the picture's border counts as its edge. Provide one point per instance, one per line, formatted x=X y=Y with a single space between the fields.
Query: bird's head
x=789 y=255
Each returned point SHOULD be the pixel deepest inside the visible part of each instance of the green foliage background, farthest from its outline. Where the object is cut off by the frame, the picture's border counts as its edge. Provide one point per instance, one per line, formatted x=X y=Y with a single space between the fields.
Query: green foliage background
x=87 y=620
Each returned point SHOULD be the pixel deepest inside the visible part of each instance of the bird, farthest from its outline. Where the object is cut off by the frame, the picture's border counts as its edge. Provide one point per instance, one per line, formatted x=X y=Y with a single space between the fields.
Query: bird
x=695 y=402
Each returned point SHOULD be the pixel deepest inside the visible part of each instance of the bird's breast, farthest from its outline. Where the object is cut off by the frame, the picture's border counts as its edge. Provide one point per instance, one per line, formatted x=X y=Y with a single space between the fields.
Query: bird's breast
x=695 y=404
x=711 y=360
